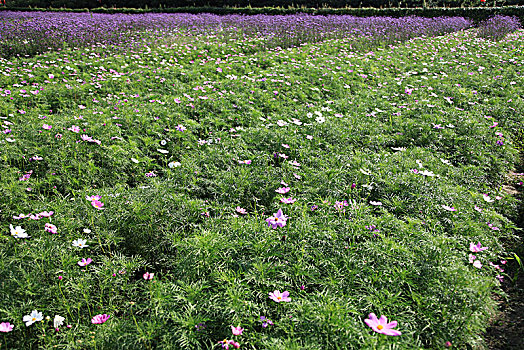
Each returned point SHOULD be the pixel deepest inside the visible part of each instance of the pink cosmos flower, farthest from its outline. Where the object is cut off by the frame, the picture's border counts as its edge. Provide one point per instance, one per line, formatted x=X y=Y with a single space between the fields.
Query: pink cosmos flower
x=241 y=210
x=6 y=327
x=46 y=214
x=277 y=220
x=47 y=127
x=244 y=162
x=225 y=344
x=148 y=276
x=493 y=227
x=50 y=228
x=99 y=319
x=26 y=176
x=381 y=325
x=93 y=198
x=477 y=264
x=476 y=248
x=85 y=262
x=74 y=128
x=278 y=297
x=288 y=200
x=85 y=137
x=97 y=204
x=282 y=190
x=237 y=330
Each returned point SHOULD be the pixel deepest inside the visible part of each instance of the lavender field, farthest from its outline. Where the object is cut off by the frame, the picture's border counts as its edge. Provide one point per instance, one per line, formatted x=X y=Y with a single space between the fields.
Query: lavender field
x=188 y=181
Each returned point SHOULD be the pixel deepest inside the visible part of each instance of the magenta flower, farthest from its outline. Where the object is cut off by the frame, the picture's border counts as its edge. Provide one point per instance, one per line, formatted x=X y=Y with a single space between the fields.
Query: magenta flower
x=148 y=276
x=237 y=330
x=265 y=321
x=277 y=220
x=99 y=319
x=47 y=127
x=476 y=248
x=93 y=198
x=283 y=190
x=6 y=327
x=50 y=228
x=97 y=204
x=381 y=325
x=26 y=176
x=278 y=297
x=225 y=344
x=85 y=262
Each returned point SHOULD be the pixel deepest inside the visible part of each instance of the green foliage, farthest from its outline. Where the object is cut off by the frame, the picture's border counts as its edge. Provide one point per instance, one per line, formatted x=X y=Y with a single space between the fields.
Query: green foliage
x=366 y=117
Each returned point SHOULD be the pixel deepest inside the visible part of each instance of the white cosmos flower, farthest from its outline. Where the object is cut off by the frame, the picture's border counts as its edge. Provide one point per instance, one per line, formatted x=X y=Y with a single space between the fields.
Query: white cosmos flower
x=18 y=232
x=487 y=198
x=375 y=203
x=174 y=165
x=426 y=173
x=86 y=230
x=163 y=151
x=80 y=243
x=58 y=321
x=448 y=208
x=35 y=316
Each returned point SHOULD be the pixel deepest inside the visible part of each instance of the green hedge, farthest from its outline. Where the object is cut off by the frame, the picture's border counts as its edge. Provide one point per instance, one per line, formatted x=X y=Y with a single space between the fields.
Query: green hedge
x=475 y=13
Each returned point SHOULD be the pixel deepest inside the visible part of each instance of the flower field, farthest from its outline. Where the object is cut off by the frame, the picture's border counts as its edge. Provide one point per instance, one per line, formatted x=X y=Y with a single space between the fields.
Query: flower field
x=255 y=182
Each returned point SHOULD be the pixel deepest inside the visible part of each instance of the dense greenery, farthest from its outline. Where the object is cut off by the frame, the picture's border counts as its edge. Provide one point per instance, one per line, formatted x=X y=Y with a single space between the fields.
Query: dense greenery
x=395 y=155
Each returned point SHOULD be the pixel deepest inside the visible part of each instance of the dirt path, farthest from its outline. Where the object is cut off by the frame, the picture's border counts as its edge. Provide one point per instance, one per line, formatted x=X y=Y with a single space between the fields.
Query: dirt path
x=507 y=329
